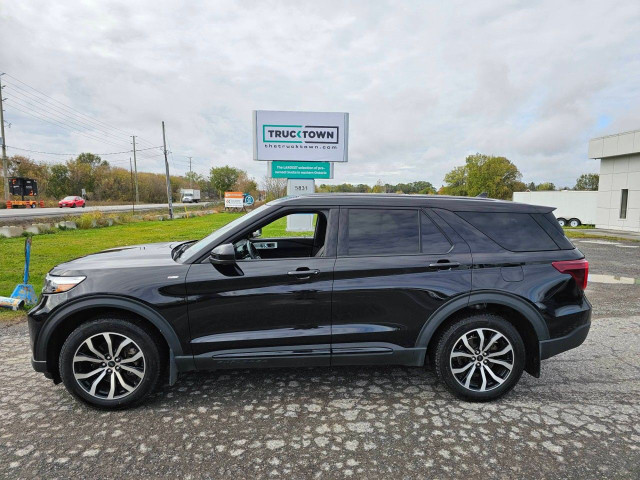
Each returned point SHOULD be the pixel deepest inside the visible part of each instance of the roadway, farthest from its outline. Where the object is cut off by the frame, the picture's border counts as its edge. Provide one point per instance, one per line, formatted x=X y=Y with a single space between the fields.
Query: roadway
x=30 y=213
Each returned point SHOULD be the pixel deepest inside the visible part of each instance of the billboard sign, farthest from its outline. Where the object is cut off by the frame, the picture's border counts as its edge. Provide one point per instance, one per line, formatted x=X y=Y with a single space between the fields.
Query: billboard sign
x=233 y=199
x=300 y=170
x=300 y=136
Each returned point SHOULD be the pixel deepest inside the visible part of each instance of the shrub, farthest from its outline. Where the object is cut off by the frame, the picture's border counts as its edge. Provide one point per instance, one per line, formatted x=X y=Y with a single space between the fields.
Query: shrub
x=90 y=220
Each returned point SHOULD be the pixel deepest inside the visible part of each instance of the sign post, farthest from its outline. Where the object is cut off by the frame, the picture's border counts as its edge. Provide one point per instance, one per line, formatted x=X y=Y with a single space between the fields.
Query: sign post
x=300 y=146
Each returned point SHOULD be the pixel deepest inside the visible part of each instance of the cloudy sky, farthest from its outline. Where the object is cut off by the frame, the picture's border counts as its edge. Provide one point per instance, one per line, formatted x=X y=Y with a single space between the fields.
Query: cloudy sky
x=425 y=83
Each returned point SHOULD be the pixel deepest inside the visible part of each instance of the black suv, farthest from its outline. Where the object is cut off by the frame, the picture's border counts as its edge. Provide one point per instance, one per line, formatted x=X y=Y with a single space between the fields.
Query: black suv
x=479 y=289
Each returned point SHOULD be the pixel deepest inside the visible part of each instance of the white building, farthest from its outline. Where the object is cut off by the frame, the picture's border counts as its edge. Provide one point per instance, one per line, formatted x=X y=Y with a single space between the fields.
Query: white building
x=619 y=189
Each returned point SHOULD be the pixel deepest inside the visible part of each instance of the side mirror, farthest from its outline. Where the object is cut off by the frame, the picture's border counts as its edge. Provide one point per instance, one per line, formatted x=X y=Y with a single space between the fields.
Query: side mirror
x=257 y=233
x=223 y=255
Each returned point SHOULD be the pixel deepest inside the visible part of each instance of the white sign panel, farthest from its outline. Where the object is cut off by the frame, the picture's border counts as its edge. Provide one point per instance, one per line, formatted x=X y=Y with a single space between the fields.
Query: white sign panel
x=233 y=200
x=300 y=136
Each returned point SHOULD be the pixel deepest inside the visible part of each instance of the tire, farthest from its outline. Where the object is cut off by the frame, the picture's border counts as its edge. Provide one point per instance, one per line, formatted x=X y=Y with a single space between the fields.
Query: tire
x=574 y=222
x=60 y=206
x=562 y=222
x=73 y=205
x=33 y=205
x=84 y=205
x=451 y=353
x=113 y=386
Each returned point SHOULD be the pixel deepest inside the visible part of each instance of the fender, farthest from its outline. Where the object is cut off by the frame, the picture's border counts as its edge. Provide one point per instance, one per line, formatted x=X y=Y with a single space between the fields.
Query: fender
x=483 y=296
x=131 y=305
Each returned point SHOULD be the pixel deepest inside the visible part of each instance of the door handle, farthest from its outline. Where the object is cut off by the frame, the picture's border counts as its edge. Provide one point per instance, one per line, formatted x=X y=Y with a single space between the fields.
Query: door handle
x=444 y=265
x=303 y=274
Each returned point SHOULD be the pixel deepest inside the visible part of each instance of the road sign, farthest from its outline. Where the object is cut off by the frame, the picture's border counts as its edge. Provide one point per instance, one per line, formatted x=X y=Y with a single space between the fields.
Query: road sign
x=300 y=170
x=233 y=199
x=248 y=199
x=300 y=136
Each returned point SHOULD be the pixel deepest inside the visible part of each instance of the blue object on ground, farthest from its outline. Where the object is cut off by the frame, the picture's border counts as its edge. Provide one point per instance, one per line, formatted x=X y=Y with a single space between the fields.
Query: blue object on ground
x=24 y=290
x=12 y=303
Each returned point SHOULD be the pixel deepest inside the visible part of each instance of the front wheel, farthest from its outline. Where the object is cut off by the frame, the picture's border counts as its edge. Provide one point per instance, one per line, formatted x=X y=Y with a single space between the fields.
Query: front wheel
x=562 y=222
x=574 y=222
x=110 y=363
x=480 y=357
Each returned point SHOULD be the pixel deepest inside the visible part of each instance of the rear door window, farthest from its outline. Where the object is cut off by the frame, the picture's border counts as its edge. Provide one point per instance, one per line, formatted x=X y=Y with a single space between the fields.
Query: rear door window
x=382 y=232
x=432 y=239
x=517 y=232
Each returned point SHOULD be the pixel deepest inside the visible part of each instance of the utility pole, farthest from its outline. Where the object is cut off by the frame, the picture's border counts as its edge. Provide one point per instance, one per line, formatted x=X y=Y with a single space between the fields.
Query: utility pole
x=135 y=166
x=5 y=167
x=190 y=174
x=166 y=166
x=133 y=198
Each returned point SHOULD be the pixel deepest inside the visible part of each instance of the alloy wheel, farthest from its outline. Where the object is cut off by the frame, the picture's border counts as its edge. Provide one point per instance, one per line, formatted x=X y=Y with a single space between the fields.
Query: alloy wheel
x=109 y=365
x=482 y=359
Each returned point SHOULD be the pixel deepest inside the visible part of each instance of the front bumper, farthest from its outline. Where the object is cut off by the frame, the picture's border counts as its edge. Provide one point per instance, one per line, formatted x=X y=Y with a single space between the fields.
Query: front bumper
x=549 y=348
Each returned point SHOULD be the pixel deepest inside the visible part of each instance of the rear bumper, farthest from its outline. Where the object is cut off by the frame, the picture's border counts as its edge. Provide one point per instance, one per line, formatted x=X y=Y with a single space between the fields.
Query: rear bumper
x=549 y=348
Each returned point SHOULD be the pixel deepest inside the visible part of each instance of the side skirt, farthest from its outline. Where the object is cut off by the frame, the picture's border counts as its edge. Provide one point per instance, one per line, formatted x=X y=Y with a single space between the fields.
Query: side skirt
x=365 y=353
x=265 y=357
x=376 y=353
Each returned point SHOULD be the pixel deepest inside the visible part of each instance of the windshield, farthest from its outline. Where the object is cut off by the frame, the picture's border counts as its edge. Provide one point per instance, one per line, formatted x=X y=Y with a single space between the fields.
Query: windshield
x=219 y=233
x=68 y=198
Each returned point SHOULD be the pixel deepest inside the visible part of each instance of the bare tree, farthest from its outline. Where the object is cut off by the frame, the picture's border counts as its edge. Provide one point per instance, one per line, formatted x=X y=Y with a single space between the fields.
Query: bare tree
x=274 y=187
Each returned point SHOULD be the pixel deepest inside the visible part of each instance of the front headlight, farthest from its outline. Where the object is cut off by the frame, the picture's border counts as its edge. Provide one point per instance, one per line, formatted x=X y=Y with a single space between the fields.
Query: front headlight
x=55 y=284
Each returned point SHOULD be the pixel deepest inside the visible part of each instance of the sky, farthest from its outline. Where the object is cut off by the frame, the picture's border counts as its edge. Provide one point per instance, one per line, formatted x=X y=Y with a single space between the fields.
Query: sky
x=425 y=83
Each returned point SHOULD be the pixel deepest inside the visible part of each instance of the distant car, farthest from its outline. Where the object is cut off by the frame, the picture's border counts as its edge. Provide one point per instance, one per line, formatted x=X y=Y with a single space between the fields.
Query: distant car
x=72 y=202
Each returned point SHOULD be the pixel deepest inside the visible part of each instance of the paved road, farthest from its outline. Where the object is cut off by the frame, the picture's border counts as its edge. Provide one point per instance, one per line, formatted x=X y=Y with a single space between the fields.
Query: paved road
x=28 y=213
x=581 y=419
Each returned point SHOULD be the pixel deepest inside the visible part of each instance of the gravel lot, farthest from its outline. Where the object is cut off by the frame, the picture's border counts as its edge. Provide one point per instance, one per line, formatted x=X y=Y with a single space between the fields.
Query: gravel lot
x=581 y=419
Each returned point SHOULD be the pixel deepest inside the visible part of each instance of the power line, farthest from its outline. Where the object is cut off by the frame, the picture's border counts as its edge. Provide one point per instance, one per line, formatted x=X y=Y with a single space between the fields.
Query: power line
x=60 y=124
x=29 y=102
x=70 y=111
x=75 y=154
x=78 y=112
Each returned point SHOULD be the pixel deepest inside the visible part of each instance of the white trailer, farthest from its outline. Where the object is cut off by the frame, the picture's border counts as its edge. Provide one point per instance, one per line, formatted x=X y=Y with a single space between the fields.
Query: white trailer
x=189 y=195
x=572 y=207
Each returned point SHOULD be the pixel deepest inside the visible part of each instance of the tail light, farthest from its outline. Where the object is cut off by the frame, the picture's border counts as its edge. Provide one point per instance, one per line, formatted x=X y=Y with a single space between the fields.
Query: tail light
x=578 y=269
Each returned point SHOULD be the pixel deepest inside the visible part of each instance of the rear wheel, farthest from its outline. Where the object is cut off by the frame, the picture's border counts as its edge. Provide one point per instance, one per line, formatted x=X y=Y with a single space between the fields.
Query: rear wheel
x=110 y=363
x=480 y=358
x=574 y=222
x=562 y=222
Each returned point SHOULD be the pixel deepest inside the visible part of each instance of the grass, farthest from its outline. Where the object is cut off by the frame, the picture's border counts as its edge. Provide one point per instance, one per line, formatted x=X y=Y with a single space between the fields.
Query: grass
x=50 y=250
x=578 y=234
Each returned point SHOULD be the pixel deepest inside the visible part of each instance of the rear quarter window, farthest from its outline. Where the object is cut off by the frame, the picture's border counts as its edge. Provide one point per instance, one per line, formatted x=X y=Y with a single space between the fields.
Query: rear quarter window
x=518 y=232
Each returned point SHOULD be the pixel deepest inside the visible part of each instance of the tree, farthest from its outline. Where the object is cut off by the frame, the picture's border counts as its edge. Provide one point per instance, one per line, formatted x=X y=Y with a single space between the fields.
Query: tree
x=246 y=184
x=496 y=176
x=223 y=178
x=274 y=187
x=58 y=181
x=587 y=181
x=90 y=159
x=546 y=186
x=194 y=179
x=379 y=187
x=456 y=181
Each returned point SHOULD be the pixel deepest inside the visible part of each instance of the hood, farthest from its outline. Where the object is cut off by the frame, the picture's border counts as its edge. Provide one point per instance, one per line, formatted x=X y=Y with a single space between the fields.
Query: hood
x=150 y=254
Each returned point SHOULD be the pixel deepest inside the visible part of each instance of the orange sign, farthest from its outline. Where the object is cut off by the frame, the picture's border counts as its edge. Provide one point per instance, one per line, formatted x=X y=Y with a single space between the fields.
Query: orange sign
x=233 y=199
